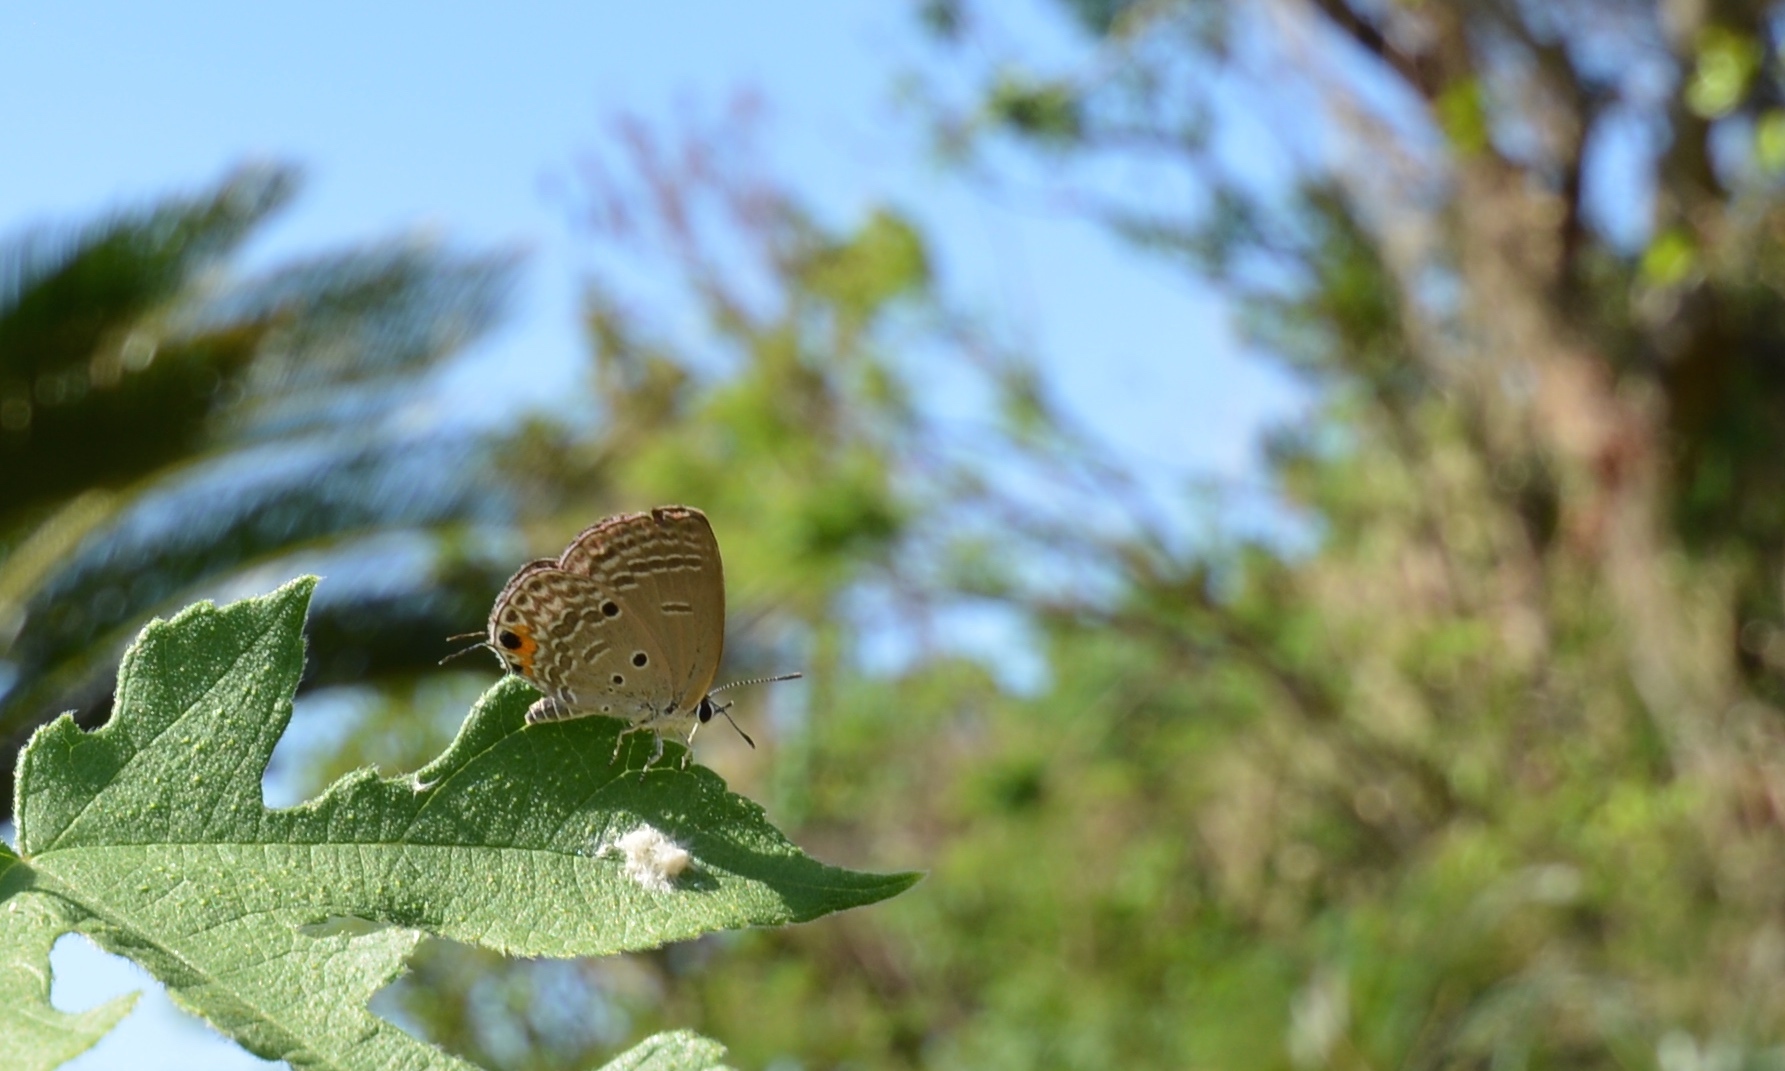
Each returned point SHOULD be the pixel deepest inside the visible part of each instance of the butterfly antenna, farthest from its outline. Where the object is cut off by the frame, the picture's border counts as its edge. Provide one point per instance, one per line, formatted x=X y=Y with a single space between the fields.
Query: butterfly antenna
x=463 y=651
x=757 y=680
x=726 y=709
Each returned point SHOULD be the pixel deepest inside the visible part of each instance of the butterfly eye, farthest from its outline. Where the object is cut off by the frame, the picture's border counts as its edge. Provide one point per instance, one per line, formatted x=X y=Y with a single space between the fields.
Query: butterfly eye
x=509 y=640
x=610 y=608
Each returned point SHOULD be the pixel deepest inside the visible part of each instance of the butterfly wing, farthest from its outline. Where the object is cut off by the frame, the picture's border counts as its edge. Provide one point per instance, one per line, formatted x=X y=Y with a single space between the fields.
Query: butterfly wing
x=547 y=626
x=663 y=585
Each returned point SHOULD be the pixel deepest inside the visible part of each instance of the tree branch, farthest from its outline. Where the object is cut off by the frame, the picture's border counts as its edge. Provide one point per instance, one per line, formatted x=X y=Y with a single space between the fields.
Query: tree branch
x=1414 y=69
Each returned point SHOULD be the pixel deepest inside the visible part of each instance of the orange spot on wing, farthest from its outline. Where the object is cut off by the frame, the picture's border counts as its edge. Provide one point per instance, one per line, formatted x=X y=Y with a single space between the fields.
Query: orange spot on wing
x=528 y=648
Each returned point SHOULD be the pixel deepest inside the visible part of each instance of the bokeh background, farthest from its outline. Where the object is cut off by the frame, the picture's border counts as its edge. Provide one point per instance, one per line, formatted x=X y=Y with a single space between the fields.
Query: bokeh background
x=1279 y=504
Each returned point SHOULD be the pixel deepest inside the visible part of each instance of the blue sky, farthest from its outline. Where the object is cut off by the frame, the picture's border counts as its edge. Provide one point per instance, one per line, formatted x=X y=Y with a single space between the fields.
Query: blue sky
x=452 y=119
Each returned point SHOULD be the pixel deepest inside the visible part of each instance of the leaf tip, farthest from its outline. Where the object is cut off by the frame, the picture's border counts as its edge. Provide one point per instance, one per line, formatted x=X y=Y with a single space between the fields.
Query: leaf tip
x=291 y=598
x=896 y=883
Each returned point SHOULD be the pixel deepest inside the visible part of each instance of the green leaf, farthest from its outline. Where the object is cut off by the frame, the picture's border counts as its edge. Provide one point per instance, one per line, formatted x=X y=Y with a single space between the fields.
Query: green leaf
x=672 y=1050
x=1726 y=64
x=1463 y=115
x=1050 y=112
x=1769 y=141
x=33 y=1034
x=1669 y=259
x=150 y=836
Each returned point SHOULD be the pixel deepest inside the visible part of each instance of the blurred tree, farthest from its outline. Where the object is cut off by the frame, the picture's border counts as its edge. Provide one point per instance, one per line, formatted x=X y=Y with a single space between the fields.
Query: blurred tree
x=1488 y=775
x=167 y=423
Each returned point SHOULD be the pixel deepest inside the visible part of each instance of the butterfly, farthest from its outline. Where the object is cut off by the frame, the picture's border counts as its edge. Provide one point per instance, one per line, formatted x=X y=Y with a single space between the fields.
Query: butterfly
x=628 y=622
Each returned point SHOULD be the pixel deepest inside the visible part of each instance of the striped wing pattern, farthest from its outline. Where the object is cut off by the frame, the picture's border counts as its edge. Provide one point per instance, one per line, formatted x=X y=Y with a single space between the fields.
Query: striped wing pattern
x=629 y=621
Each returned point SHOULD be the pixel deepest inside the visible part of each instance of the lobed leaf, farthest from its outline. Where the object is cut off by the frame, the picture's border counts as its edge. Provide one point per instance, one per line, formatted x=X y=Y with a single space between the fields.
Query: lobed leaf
x=150 y=835
x=37 y=1035
x=672 y=1050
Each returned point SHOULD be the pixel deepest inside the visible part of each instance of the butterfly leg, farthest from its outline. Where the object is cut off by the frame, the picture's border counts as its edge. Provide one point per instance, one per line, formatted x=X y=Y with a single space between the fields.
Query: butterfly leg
x=656 y=753
x=620 y=743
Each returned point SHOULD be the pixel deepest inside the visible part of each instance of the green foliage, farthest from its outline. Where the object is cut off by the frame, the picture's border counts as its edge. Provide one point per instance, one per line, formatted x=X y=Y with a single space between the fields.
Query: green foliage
x=1482 y=771
x=143 y=376
x=1101 y=16
x=675 y=1050
x=859 y=276
x=79 y=354
x=1047 y=111
x=149 y=836
x=1463 y=117
x=1727 y=61
x=38 y=1036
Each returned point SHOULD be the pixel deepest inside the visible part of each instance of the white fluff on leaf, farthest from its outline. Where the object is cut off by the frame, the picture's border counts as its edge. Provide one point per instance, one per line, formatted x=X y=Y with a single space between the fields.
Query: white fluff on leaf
x=650 y=857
